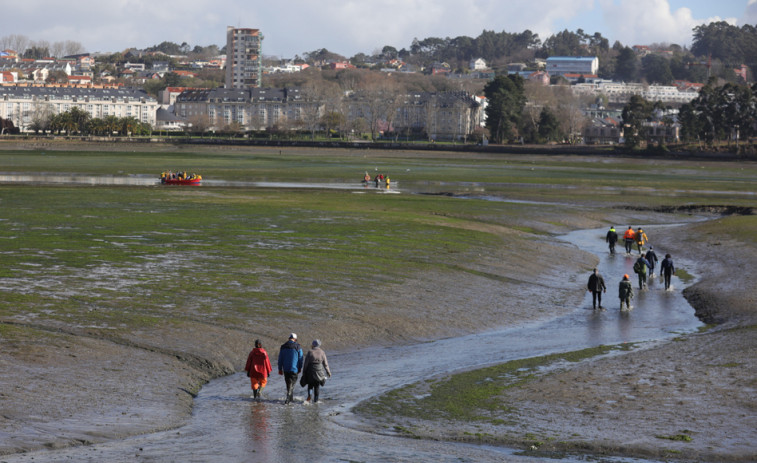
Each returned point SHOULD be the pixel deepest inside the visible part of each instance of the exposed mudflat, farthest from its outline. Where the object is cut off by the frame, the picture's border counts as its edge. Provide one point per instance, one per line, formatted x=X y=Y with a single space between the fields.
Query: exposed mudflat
x=693 y=398
x=74 y=384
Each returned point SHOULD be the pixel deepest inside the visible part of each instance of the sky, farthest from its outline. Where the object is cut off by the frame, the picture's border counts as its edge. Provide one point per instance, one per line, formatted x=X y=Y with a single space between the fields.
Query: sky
x=348 y=27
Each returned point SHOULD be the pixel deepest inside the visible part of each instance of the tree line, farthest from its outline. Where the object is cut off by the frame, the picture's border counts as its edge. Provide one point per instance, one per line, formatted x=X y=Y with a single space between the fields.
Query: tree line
x=39 y=49
x=717 y=48
x=519 y=110
x=78 y=121
x=721 y=113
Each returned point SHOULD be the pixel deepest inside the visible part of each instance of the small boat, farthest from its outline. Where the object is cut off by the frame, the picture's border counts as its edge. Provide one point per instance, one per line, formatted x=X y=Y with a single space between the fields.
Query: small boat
x=169 y=178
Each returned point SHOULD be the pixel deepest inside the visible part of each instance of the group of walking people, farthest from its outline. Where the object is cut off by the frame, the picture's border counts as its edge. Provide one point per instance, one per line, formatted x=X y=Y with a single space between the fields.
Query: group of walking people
x=643 y=266
x=629 y=238
x=291 y=362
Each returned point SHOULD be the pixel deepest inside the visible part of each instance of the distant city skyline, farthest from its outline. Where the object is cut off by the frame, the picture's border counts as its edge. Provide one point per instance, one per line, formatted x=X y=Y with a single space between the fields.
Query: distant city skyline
x=294 y=27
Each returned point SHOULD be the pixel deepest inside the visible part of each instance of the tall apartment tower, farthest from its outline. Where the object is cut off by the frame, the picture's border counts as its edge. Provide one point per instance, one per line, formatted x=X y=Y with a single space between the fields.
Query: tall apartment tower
x=244 y=58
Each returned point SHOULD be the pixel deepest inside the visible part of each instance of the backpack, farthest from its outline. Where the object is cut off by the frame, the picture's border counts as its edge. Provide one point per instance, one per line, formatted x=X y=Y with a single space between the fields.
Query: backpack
x=637 y=267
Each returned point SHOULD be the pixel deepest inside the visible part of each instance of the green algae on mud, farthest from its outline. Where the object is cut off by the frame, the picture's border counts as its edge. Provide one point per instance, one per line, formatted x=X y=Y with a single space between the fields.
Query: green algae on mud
x=472 y=395
x=150 y=263
x=134 y=256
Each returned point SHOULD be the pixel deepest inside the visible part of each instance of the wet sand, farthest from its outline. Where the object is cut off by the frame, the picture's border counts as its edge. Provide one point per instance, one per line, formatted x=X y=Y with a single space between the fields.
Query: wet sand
x=702 y=384
x=72 y=388
x=643 y=403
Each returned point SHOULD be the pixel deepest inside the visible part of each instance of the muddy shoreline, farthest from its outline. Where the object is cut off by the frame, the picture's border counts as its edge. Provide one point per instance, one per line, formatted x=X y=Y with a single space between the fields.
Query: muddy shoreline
x=700 y=381
x=72 y=385
x=689 y=399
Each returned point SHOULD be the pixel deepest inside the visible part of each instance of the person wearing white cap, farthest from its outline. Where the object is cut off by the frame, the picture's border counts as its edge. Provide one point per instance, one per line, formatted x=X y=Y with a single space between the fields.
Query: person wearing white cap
x=290 y=364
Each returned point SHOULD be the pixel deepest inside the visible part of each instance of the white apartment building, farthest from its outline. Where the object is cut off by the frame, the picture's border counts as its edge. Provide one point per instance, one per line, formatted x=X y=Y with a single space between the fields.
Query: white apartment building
x=22 y=105
x=560 y=65
x=244 y=58
x=619 y=92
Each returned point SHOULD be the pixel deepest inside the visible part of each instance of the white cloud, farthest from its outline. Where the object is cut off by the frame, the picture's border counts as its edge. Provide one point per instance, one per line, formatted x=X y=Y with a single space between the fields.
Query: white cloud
x=344 y=26
x=635 y=22
x=750 y=13
x=351 y=26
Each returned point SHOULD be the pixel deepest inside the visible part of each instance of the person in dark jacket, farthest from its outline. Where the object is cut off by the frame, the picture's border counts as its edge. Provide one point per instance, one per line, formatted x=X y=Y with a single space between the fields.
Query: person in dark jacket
x=258 y=369
x=611 y=238
x=315 y=371
x=290 y=364
x=596 y=286
x=625 y=292
x=640 y=267
x=652 y=259
x=667 y=269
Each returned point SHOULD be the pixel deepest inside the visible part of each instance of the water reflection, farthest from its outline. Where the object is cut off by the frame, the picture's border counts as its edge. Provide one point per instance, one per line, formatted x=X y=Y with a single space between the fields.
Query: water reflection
x=72 y=179
x=258 y=431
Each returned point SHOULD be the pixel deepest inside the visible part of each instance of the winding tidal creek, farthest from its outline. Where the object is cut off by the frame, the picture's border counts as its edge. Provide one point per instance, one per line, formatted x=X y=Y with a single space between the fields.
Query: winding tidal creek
x=227 y=425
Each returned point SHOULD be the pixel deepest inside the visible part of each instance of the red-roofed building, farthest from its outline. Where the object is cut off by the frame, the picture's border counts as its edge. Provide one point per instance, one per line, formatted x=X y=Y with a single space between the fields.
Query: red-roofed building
x=541 y=77
x=7 y=77
x=8 y=55
x=440 y=68
x=641 y=50
x=686 y=86
x=341 y=65
x=80 y=80
x=185 y=74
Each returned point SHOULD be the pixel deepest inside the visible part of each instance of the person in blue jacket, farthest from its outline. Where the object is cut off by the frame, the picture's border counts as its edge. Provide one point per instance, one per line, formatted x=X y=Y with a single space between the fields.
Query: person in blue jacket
x=290 y=364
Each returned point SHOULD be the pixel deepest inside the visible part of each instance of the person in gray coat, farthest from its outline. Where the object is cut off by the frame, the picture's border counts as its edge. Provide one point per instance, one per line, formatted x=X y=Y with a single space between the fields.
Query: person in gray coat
x=315 y=370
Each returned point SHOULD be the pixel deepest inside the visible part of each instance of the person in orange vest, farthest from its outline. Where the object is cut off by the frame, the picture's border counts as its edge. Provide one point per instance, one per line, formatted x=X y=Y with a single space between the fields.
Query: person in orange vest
x=629 y=237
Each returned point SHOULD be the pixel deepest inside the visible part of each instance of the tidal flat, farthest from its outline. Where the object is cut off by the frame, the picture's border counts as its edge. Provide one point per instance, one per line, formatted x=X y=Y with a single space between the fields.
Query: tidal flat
x=159 y=289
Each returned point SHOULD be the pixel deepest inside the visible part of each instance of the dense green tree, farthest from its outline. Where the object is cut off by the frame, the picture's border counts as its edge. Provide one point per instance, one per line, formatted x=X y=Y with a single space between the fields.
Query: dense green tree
x=579 y=43
x=656 y=69
x=57 y=77
x=506 y=99
x=728 y=112
x=549 y=125
x=322 y=55
x=565 y=43
x=691 y=124
x=635 y=114
x=388 y=52
x=719 y=40
x=169 y=48
x=36 y=52
x=627 y=67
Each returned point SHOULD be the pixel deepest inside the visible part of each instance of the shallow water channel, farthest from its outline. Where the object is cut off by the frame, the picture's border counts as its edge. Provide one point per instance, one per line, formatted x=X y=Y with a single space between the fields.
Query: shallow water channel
x=227 y=425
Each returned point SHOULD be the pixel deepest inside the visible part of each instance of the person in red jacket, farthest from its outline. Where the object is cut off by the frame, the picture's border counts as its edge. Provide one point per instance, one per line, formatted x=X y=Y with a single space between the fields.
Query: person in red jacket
x=258 y=369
